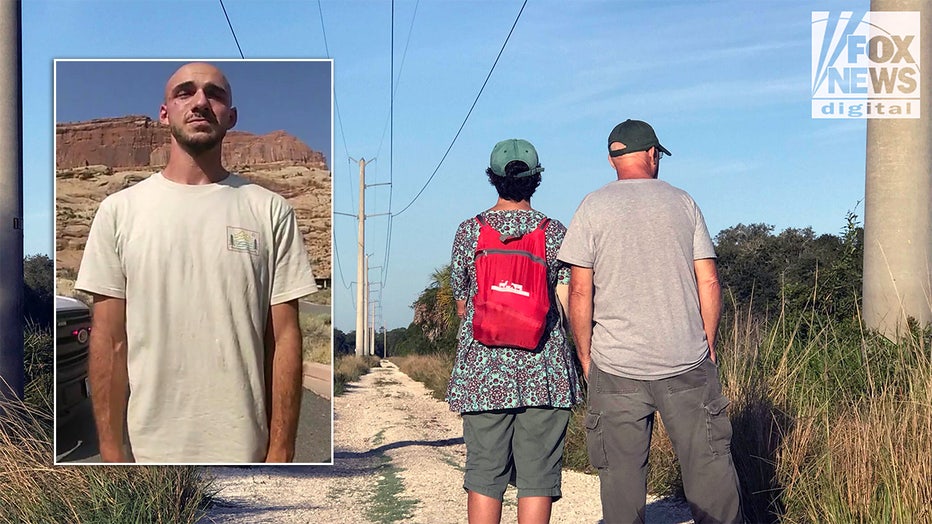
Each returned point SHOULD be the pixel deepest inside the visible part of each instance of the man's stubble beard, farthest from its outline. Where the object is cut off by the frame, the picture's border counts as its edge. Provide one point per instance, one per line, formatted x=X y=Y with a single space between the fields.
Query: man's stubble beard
x=195 y=145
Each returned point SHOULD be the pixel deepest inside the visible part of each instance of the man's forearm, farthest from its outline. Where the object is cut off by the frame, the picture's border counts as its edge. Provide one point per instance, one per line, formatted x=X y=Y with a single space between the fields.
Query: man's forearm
x=581 y=324
x=109 y=379
x=286 y=375
x=580 y=313
x=710 y=300
x=711 y=309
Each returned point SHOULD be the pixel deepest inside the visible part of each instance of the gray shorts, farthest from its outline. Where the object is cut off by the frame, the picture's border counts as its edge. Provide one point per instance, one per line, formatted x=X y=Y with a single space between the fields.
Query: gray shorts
x=522 y=447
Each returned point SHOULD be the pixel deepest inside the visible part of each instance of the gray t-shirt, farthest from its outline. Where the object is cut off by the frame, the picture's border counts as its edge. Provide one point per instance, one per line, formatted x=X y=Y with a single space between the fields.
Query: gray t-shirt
x=199 y=267
x=640 y=237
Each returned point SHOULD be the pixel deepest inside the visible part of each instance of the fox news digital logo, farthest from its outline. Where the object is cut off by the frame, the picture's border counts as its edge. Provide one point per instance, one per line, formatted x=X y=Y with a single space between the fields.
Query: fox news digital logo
x=865 y=65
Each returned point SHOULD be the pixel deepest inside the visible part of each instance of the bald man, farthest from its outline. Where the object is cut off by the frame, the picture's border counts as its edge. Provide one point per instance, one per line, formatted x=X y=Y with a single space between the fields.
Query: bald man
x=644 y=305
x=195 y=351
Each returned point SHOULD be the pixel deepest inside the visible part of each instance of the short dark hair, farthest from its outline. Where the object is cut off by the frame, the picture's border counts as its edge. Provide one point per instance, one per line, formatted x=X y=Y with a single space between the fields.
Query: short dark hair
x=514 y=188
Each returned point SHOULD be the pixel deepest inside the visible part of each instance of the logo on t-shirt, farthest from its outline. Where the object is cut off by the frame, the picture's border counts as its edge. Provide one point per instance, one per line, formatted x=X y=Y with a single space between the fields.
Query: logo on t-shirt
x=239 y=239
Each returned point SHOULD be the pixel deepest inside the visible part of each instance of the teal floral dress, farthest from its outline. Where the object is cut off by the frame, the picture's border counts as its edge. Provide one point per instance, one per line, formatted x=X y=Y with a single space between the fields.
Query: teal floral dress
x=494 y=378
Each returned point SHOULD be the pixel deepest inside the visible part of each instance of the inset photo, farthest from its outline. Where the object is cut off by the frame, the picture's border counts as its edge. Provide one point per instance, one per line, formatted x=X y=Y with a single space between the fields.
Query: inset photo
x=193 y=224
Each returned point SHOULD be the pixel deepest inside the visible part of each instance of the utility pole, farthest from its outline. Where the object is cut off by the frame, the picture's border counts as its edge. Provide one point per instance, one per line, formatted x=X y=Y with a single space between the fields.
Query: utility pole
x=360 y=268
x=362 y=261
x=898 y=202
x=365 y=308
x=371 y=318
x=11 y=202
x=372 y=332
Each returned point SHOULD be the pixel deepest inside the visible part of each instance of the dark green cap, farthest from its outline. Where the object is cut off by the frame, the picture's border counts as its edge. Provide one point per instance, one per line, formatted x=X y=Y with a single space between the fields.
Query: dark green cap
x=636 y=136
x=514 y=149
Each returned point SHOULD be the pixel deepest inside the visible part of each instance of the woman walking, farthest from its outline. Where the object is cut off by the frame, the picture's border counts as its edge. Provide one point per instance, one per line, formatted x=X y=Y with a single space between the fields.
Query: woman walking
x=515 y=397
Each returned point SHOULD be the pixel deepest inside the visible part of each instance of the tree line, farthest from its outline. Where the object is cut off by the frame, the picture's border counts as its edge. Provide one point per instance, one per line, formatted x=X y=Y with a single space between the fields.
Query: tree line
x=38 y=291
x=763 y=274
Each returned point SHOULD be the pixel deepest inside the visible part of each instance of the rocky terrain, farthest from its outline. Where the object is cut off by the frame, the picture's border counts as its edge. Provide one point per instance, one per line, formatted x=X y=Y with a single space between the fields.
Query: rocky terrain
x=99 y=157
x=138 y=141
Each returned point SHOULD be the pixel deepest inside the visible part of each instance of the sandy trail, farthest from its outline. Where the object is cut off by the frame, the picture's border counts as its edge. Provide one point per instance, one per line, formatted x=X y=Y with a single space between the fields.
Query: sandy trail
x=399 y=455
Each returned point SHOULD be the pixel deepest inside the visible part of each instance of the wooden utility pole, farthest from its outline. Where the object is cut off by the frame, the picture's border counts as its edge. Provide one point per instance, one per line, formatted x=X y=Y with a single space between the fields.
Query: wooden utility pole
x=898 y=202
x=11 y=201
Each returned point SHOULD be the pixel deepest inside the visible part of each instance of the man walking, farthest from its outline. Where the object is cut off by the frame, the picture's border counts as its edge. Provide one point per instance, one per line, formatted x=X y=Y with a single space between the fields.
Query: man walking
x=195 y=352
x=644 y=304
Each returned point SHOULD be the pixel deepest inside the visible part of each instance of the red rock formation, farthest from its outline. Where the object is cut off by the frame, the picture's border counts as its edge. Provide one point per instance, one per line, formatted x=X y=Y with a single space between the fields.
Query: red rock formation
x=139 y=141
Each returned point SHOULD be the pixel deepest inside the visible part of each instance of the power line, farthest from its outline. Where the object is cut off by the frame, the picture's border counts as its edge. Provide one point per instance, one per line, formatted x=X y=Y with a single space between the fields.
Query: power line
x=336 y=103
x=388 y=249
x=390 y=124
x=391 y=142
x=231 y=30
x=334 y=244
x=327 y=50
x=467 y=114
x=401 y=68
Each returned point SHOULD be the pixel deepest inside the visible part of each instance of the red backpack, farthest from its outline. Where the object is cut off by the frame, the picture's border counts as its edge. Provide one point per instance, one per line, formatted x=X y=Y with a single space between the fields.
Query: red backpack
x=512 y=297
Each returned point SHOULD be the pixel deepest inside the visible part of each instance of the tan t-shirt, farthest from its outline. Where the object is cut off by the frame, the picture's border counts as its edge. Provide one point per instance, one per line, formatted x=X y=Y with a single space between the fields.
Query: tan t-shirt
x=199 y=267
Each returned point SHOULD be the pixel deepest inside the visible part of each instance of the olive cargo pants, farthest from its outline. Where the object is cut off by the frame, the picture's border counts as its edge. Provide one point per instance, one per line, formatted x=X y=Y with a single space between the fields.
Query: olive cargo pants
x=618 y=428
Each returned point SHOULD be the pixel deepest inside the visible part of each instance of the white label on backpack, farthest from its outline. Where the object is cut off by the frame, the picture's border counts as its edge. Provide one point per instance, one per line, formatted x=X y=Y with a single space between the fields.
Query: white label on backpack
x=506 y=287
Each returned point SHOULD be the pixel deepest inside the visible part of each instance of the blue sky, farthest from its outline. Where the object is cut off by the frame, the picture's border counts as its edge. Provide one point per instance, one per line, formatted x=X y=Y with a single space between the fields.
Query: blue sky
x=726 y=85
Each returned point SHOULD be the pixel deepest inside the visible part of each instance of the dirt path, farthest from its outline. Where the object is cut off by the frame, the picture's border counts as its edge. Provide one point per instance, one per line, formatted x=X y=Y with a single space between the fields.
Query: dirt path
x=398 y=457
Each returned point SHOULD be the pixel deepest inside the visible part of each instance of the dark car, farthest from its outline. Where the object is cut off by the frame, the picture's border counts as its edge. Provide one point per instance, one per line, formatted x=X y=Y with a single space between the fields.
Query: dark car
x=72 y=333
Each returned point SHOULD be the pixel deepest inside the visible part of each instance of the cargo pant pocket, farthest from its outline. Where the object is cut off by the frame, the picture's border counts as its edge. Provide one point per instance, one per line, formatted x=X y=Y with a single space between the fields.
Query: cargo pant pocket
x=595 y=444
x=718 y=425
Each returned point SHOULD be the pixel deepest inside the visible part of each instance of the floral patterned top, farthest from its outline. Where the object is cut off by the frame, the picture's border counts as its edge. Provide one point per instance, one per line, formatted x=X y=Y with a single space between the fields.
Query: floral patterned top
x=490 y=378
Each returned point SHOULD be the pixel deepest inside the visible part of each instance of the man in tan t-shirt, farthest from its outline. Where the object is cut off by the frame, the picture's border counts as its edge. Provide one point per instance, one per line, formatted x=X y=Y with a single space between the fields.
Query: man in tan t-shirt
x=195 y=351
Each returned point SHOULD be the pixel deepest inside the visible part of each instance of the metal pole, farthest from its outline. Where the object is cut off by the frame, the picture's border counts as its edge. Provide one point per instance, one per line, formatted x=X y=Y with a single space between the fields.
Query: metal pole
x=360 y=264
x=897 y=211
x=365 y=308
x=371 y=319
x=11 y=202
x=372 y=326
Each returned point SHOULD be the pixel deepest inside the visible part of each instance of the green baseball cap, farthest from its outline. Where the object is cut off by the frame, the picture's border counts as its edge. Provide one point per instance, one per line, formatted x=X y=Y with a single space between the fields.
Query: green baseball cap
x=514 y=149
x=636 y=136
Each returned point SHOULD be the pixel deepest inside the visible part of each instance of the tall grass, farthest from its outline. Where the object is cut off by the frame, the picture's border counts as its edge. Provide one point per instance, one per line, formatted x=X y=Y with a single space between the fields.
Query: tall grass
x=860 y=446
x=315 y=338
x=433 y=371
x=575 y=455
x=350 y=368
x=37 y=366
x=832 y=423
x=35 y=491
x=32 y=490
